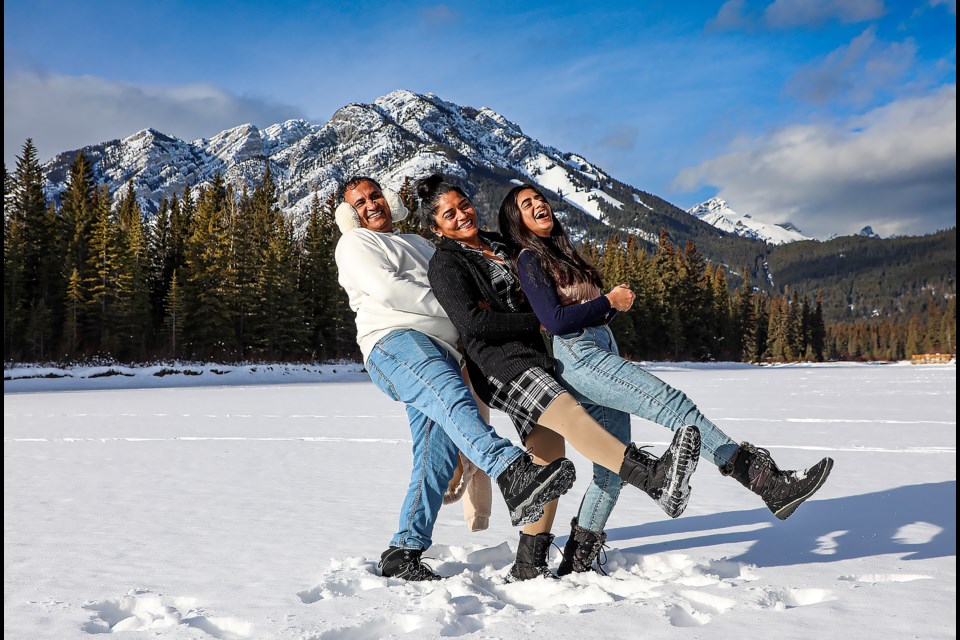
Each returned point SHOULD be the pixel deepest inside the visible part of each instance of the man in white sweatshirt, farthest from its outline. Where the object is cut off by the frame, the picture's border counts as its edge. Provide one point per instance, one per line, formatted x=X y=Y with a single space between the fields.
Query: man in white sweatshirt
x=409 y=347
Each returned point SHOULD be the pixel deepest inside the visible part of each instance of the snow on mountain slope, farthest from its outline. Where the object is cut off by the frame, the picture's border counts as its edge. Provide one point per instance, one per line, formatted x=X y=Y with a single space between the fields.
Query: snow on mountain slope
x=716 y=212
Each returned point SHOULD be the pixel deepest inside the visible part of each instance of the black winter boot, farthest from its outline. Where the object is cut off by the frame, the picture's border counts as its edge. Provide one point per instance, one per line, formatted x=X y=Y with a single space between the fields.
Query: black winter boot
x=532 y=558
x=667 y=479
x=405 y=563
x=782 y=491
x=582 y=548
x=527 y=486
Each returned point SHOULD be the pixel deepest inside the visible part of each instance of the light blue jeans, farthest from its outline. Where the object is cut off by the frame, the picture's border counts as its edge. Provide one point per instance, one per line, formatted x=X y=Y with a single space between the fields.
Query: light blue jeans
x=590 y=367
x=444 y=418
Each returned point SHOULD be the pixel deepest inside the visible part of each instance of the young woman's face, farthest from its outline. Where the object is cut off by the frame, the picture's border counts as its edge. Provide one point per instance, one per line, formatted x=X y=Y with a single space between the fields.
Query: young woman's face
x=535 y=212
x=455 y=218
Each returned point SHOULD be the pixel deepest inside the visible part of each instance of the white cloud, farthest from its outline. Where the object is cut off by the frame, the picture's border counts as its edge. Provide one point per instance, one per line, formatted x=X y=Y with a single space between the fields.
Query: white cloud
x=951 y=5
x=731 y=16
x=787 y=14
x=795 y=14
x=855 y=72
x=893 y=168
x=63 y=113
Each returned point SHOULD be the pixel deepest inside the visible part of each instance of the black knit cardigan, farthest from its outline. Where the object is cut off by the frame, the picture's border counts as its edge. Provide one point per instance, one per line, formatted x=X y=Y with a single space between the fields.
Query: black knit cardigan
x=498 y=342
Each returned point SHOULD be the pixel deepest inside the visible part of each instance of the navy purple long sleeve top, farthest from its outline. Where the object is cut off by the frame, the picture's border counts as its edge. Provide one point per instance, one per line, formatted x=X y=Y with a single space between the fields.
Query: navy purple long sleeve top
x=556 y=317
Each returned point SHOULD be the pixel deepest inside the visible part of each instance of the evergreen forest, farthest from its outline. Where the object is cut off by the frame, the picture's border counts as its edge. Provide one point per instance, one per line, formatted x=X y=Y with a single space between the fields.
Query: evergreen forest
x=221 y=275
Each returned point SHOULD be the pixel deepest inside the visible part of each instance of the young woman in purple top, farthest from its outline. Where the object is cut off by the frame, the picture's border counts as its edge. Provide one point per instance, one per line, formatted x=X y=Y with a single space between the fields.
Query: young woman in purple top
x=473 y=280
x=565 y=293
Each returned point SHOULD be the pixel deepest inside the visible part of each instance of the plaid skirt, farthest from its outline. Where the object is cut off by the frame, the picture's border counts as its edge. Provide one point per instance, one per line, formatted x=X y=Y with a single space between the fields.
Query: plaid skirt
x=525 y=398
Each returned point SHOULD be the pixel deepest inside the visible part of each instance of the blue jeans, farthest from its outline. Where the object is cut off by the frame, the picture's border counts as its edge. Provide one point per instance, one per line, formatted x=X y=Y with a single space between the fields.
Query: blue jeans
x=602 y=493
x=444 y=418
x=590 y=366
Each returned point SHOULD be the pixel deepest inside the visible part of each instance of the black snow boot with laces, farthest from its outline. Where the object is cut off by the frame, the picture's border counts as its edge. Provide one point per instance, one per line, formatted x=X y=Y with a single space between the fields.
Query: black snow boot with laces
x=582 y=548
x=782 y=491
x=532 y=558
x=527 y=486
x=665 y=479
x=406 y=564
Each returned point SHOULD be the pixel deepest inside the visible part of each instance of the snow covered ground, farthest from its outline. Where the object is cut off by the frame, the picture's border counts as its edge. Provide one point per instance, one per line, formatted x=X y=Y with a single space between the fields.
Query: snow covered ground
x=230 y=506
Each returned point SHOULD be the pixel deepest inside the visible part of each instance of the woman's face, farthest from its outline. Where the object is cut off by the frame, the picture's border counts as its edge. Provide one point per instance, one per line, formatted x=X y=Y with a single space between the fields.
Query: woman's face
x=535 y=213
x=455 y=218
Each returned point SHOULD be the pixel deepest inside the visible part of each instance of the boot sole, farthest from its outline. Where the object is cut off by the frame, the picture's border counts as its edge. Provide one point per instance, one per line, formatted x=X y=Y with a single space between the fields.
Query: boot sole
x=686 y=447
x=785 y=511
x=557 y=484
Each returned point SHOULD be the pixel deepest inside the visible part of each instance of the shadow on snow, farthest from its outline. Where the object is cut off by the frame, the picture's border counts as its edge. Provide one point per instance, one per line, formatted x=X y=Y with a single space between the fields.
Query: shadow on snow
x=822 y=530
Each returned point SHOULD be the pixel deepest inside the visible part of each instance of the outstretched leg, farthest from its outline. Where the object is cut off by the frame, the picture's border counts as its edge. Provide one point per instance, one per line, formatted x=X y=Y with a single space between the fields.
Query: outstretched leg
x=666 y=480
x=409 y=367
x=590 y=363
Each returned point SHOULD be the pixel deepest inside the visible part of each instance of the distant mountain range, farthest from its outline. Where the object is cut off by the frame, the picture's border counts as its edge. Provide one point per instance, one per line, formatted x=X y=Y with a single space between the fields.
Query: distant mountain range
x=401 y=135
x=404 y=136
x=716 y=212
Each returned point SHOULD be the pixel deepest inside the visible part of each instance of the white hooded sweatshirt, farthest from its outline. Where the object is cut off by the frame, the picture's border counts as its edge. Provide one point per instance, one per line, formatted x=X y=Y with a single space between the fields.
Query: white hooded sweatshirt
x=385 y=276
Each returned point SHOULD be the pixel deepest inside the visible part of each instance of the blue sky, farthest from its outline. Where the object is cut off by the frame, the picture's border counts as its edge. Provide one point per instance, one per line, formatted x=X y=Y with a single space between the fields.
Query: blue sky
x=832 y=114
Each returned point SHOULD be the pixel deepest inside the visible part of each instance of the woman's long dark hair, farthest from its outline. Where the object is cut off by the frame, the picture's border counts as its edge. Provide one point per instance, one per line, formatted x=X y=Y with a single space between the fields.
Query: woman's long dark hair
x=562 y=262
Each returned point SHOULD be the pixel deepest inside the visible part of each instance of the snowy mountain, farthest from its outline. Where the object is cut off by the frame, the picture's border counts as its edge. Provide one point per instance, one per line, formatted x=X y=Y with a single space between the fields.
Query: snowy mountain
x=716 y=212
x=400 y=135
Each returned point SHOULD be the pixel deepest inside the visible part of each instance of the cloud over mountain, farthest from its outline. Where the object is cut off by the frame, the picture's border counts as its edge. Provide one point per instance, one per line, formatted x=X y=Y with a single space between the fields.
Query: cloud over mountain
x=893 y=168
x=60 y=111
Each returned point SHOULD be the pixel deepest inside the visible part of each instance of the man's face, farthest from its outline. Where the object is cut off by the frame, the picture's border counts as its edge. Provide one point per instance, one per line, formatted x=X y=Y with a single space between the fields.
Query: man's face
x=371 y=206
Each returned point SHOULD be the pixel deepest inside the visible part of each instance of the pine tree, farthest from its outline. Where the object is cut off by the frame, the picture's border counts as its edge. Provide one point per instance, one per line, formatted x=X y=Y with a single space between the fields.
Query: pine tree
x=13 y=252
x=248 y=237
x=277 y=310
x=666 y=267
x=74 y=314
x=158 y=254
x=761 y=317
x=725 y=336
x=914 y=337
x=209 y=283
x=77 y=213
x=285 y=335
x=174 y=315
x=948 y=327
x=818 y=330
x=102 y=282
x=794 y=345
x=694 y=302
x=647 y=331
x=35 y=280
x=133 y=322
x=325 y=302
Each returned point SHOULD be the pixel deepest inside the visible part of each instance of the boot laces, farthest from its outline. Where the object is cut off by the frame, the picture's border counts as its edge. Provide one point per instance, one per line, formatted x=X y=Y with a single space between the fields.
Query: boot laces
x=412 y=567
x=602 y=559
x=600 y=555
x=764 y=470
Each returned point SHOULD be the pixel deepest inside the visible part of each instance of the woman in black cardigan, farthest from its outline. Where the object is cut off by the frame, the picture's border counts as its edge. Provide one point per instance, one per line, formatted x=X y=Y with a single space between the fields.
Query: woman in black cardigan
x=511 y=369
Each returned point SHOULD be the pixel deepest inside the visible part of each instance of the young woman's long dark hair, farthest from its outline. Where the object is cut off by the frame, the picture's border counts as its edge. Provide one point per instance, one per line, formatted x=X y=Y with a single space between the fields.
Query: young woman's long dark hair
x=562 y=262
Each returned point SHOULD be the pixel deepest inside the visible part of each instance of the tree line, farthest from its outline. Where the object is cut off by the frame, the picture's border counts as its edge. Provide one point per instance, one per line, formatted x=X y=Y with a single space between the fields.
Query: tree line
x=215 y=274
x=224 y=275
x=685 y=310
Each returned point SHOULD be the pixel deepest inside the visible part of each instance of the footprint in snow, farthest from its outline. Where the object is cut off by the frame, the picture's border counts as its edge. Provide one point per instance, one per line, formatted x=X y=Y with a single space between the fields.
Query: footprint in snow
x=144 y=611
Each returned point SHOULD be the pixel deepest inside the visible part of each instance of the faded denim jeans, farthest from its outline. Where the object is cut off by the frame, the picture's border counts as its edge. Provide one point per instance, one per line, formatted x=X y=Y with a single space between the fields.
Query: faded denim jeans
x=590 y=367
x=410 y=367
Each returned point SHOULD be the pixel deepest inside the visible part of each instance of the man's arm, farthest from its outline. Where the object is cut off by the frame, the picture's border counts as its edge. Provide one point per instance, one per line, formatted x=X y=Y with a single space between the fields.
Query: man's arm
x=363 y=266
